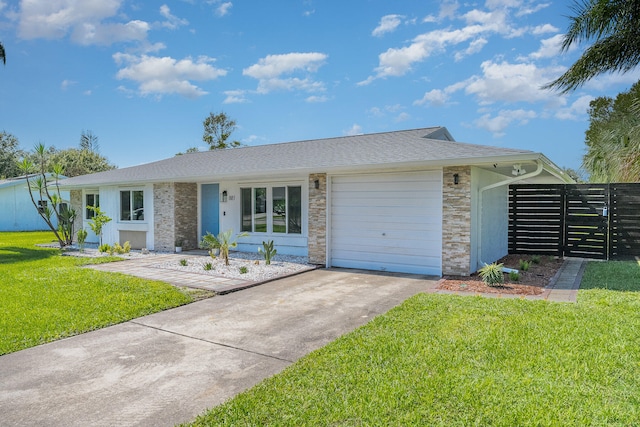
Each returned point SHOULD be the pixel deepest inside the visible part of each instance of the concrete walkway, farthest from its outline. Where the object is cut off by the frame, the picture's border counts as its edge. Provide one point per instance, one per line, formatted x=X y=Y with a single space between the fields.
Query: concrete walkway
x=168 y=367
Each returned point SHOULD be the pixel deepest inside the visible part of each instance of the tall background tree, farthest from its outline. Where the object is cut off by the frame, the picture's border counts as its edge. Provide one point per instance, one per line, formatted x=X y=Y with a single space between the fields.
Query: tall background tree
x=10 y=154
x=3 y=54
x=613 y=138
x=77 y=161
x=217 y=130
x=612 y=26
x=89 y=141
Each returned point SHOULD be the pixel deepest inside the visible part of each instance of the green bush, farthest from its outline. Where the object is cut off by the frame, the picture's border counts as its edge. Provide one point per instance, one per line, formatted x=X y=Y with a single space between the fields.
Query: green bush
x=183 y=262
x=82 y=236
x=119 y=249
x=244 y=269
x=535 y=259
x=492 y=274
x=514 y=276
x=105 y=248
x=208 y=266
x=524 y=265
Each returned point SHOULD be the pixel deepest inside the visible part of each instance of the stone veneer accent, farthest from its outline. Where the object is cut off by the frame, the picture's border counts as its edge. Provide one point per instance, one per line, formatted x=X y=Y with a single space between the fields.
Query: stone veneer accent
x=175 y=211
x=75 y=199
x=186 y=214
x=317 y=242
x=456 y=221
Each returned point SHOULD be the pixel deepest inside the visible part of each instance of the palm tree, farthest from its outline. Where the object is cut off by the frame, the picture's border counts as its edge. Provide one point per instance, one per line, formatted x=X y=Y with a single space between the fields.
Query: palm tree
x=613 y=25
x=3 y=55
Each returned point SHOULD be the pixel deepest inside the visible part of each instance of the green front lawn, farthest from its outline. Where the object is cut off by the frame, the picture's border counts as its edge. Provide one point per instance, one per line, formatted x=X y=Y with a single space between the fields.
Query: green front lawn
x=459 y=361
x=45 y=296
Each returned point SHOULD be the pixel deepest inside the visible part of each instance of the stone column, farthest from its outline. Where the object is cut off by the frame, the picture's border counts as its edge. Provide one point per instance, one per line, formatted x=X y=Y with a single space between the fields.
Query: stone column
x=317 y=242
x=456 y=221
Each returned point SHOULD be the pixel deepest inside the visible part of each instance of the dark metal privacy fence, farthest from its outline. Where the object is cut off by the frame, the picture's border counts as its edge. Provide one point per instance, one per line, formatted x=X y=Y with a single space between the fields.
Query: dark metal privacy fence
x=582 y=220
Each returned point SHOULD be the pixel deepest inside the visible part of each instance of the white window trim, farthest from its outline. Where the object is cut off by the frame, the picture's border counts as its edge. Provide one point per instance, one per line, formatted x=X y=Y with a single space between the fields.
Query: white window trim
x=269 y=208
x=144 y=203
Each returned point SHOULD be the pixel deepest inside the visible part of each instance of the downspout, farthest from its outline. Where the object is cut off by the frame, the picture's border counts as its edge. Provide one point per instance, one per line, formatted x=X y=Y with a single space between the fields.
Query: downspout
x=481 y=191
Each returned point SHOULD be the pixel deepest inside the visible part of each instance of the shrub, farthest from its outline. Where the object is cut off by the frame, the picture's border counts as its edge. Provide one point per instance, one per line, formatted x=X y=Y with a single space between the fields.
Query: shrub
x=268 y=251
x=514 y=276
x=223 y=241
x=535 y=259
x=244 y=269
x=183 y=262
x=127 y=247
x=82 y=236
x=524 y=265
x=208 y=266
x=105 y=247
x=492 y=274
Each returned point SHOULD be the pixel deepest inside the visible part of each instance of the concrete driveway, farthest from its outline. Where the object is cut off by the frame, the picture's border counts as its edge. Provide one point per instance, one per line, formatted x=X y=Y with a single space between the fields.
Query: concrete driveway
x=168 y=367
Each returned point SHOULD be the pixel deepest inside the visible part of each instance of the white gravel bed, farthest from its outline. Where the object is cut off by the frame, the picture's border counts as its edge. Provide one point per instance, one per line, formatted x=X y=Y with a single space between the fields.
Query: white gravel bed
x=92 y=252
x=257 y=270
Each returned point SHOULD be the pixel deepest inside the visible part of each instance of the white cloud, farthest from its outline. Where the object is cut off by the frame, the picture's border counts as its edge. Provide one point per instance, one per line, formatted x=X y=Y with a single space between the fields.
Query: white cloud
x=544 y=29
x=165 y=75
x=434 y=97
x=235 y=97
x=508 y=82
x=274 y=65
x=550 y=47
x=398 y=61
x=316 y=99
x=356 y=129
x=224 y=8
x=84 y=20
x=474 y=47
x=172 y=22
x=402 y=117
x=496 y=125
x=388 y=24
x=576 y=110
x=269 y=71
x=66 y=84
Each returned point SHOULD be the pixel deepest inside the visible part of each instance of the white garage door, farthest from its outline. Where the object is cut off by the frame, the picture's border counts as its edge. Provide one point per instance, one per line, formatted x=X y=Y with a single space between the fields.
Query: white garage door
x=387 y=222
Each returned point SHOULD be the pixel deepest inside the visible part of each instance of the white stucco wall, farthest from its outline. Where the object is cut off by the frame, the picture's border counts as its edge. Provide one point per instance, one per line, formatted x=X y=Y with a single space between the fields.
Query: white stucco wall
x=286 y=244
x=493 y=231
x=110 y=205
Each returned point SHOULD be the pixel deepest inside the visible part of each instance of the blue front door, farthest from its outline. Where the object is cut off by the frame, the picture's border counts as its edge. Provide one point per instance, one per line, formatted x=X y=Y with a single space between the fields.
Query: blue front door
x=210 y=208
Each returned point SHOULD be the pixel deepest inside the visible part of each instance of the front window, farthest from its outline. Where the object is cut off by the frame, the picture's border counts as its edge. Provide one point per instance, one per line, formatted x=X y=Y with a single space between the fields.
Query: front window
x=132 y=205
x=271 y=209
x=91 y=200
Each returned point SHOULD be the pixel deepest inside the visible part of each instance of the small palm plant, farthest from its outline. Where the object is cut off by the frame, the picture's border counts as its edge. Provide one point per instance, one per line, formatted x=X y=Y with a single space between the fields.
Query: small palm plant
x=223 y=241
x=492 y=274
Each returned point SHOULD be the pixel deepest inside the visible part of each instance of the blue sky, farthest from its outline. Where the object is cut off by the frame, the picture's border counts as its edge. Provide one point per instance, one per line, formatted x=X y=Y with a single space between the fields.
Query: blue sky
x=142 y=76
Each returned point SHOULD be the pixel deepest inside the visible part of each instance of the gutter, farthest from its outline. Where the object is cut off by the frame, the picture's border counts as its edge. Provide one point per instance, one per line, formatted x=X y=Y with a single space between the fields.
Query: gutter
x=481 y=191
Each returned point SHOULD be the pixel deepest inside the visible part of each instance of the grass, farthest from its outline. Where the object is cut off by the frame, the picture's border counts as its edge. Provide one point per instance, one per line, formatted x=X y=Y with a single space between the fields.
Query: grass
x=455 y=361
x=45 y=296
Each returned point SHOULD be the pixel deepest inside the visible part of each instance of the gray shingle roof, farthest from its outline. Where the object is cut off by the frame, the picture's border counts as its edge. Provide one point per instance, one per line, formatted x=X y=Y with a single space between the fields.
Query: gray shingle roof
x=389 y=149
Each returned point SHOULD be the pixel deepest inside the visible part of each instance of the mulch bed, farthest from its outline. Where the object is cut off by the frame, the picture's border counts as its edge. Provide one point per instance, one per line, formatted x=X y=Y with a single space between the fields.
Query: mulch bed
x=531 y=282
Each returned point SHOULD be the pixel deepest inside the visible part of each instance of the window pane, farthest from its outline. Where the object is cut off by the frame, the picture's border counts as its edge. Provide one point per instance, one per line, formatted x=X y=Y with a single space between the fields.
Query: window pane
x=260 y=210
x=97 y=201
x=125 y=205
x=245 y=209
x=279 y=220
x=90 y=201
x=138 y=206
x=294 y=209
